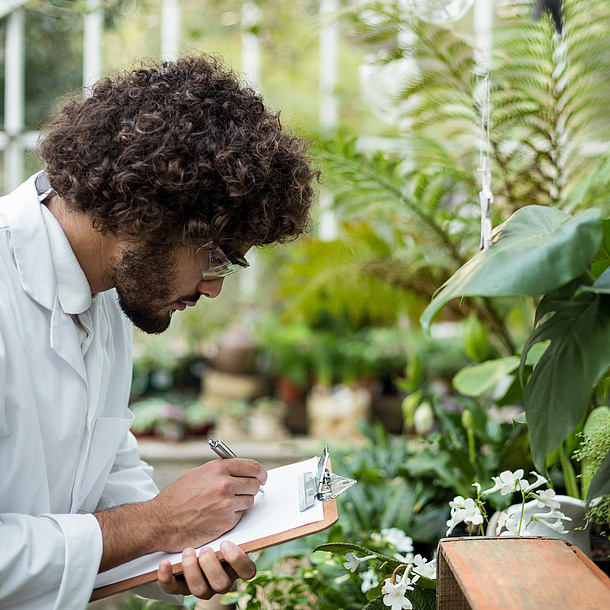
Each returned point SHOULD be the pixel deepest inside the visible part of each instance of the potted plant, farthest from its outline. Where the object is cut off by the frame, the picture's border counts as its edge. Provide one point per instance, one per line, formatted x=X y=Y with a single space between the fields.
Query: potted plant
x=266 y=419
x=545 y=252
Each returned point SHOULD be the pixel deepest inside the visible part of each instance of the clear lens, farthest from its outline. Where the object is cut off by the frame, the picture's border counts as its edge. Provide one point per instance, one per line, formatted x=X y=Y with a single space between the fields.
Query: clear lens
x=214 y=263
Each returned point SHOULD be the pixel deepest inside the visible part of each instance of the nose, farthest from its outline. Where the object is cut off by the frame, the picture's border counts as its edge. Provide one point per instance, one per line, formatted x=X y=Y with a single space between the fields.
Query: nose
x=210 y=288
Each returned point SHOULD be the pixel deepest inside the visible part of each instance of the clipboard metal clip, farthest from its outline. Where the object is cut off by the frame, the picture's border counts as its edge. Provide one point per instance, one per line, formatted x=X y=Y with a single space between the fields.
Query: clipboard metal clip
x=322 y=484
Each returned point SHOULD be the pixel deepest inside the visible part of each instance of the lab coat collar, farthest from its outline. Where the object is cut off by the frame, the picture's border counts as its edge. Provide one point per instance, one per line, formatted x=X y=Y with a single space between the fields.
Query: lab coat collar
x=35 y=264
x=37 y=272
x=73 y=288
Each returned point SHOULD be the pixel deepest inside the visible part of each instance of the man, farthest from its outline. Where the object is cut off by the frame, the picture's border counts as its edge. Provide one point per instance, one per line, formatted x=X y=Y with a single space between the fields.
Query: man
x=155 y=186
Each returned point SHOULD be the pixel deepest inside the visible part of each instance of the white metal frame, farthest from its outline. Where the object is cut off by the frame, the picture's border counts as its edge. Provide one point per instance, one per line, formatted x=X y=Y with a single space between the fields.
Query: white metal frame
x=14 y=140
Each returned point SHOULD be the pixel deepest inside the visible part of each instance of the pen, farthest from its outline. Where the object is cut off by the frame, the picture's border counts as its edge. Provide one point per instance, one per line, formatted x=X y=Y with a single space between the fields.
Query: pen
x=224 y=452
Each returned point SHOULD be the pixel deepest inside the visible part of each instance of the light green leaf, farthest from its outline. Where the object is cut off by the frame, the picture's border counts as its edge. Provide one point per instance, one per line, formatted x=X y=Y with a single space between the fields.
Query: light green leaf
x=601 y=285
x=520 y=419
x=559 y=389
x=481 y=378
x=536 y=250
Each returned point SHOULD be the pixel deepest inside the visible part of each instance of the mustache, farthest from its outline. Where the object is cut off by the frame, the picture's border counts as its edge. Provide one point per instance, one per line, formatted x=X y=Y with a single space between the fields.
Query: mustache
x=191 y=298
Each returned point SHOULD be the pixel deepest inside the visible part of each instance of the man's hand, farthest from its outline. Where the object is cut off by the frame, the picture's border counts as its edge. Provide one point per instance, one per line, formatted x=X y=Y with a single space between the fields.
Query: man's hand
x=206 y=502
x=201 y=505
x=206 y=576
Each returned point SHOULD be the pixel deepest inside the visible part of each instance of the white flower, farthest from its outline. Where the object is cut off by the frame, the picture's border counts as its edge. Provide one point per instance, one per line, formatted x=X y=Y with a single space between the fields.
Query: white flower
x=512 y=524
x=457 y=502
x=540 y=480
x=398 y=539
x=424 y=568
x=394 y=595
x=546 y=497
x=369 y=580
x=507 y=482
x=353 y=562
x=545 y=519
x=465 y=510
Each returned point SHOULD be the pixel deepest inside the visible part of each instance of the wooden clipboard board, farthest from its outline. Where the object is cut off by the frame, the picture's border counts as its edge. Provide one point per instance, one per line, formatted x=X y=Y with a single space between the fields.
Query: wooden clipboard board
x=331 y=516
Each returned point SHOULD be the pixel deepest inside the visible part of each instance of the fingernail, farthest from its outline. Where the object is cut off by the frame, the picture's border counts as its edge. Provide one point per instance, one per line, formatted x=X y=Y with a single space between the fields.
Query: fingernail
x=164 y=567
x=226 y=545
x=188 y=552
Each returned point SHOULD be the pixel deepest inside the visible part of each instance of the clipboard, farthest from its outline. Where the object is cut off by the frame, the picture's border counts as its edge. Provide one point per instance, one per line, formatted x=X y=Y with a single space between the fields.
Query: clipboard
x=284 y=494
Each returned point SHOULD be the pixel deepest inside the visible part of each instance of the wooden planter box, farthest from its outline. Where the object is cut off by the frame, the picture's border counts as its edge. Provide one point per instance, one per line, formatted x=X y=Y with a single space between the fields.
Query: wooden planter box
x=513 y=573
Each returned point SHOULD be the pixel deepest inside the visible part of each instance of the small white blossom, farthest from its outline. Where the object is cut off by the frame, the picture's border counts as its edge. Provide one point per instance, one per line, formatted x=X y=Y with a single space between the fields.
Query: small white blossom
x=513 y=524
x=464 y=510
x=369 y=580
x=424 y=568
x=540 y=480
x=394 y=595
x=546 y=497
x=553 y=514
x=353 y=562
x=507 y=482
x=398 y=539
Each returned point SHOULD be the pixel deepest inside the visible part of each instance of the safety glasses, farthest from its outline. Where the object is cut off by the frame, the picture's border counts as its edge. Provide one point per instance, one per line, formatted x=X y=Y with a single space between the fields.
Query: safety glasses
x=215 y=263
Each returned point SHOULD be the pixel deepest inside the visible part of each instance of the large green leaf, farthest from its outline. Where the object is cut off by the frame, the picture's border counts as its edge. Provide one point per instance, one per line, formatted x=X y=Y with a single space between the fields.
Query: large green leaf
x=559 y=389
x=536 y=250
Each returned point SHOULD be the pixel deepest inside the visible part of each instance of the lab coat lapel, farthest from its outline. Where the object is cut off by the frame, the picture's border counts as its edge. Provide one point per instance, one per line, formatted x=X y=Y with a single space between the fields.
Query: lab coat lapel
x=64 y=340
x=37 y=272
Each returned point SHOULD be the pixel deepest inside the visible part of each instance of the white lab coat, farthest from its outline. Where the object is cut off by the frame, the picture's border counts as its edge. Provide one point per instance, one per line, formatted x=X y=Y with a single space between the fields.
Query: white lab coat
x=65 y=446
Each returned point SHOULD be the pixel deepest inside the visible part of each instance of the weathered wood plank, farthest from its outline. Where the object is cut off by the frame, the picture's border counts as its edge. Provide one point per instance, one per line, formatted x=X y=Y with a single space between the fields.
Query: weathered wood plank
x=512 y=573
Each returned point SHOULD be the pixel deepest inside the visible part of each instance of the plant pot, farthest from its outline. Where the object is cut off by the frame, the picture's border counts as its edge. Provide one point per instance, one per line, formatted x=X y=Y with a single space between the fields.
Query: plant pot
x=334 y=413
x=600 y=550
x=578 y=531
x=267 y=426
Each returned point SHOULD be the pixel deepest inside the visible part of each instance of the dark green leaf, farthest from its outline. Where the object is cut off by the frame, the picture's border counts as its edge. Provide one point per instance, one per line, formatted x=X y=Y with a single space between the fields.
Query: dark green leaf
x=422 y=599
x=375 y=604
x=348 y=547
x=536 y=250
x=559 y=389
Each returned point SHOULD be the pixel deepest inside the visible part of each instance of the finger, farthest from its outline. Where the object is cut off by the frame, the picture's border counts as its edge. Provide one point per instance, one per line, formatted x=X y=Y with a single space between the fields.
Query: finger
x=168 y=581
x=194 y=577
x=217 y=577
x=240 y=467
x=246 y=486
x=235 y=557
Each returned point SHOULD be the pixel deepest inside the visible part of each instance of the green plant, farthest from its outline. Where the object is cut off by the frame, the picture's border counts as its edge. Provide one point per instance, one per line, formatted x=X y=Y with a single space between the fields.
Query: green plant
x=157 y=414
x=285 y=349
x=136 y=602
x=541 y=250
x=593 y=451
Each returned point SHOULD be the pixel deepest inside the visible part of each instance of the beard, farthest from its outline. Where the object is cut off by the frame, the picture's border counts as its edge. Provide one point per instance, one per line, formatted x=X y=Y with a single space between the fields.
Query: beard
x=143 y=279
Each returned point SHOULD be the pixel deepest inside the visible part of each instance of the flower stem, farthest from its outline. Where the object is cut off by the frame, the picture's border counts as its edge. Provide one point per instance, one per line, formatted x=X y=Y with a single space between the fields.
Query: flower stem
x=569 y=476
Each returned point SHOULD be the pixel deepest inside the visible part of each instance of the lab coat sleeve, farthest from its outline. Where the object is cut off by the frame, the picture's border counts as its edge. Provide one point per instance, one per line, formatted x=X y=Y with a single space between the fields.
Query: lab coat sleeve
x=130 y=479
x=49 y=561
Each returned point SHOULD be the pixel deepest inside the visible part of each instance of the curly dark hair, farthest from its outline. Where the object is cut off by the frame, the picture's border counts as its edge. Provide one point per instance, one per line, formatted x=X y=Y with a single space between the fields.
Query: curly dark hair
x=180 y=152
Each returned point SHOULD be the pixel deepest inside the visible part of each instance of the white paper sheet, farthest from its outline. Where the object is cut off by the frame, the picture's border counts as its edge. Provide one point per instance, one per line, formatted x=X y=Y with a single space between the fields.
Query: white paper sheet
x=274 y=512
